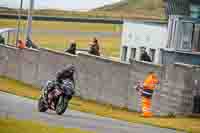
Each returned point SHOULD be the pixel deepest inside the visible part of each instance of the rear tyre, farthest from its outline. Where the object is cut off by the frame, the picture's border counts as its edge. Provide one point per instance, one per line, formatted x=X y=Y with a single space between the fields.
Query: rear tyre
x=62 y=105
x=41 y=105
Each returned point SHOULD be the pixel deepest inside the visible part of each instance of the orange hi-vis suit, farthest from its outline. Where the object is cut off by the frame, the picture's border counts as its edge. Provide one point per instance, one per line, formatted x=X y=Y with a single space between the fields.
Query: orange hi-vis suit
x=149 y=86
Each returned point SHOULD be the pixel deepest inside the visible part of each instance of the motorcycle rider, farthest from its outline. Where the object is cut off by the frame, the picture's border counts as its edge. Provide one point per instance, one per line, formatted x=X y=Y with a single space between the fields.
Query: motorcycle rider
x=64 y=80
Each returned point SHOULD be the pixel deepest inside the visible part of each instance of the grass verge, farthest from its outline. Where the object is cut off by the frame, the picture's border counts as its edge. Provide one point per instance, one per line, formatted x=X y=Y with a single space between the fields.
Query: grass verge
x=67 y=26
x=9 y=125
x=188 y=124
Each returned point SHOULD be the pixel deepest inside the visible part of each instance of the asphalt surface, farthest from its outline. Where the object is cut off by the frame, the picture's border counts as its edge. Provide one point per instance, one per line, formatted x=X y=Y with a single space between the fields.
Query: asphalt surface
x=26 y=109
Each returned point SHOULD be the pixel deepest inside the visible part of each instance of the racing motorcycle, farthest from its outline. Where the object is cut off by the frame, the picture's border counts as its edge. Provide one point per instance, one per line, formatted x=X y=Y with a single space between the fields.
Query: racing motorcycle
x=55 y=98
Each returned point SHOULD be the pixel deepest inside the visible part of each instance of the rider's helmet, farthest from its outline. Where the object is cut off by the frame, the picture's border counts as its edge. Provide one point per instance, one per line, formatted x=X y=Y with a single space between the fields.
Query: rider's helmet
x=69 y=70
x=66 y=73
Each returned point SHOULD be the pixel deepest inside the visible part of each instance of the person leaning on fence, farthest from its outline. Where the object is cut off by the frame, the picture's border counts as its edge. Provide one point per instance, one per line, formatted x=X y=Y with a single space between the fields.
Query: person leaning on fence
x=30 y=44
x=72 y=48
x=149 y=86
x=144 y=55
x=21 y=44
x=94 y=47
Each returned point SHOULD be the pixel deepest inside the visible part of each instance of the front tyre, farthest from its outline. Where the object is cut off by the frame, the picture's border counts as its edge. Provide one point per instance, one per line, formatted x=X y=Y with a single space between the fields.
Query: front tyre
x=41 y=105
x=62 y=105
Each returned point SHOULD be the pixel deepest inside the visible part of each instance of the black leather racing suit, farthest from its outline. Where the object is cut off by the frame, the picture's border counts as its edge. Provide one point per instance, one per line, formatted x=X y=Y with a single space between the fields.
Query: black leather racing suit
x=64 y=80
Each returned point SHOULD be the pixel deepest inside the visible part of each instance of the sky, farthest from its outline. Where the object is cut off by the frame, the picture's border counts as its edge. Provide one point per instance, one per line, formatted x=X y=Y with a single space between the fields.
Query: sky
x=77 y=5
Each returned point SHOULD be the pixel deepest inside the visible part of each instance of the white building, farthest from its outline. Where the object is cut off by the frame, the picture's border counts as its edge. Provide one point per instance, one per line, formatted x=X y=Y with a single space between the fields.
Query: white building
x=148 y=34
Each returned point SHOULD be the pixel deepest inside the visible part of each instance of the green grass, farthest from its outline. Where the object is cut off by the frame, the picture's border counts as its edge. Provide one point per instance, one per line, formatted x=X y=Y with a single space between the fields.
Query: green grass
x=10 y=125
x=53 y=25
x=131 y=9
x=146 y=9
x=188 y=124
x=110 y=46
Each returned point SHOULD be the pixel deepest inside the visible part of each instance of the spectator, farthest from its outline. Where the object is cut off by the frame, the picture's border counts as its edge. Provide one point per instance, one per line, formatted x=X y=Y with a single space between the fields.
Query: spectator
x=144 y=55
x=21 y=44
x=30 y=44
x=94 y=47
x=2 y=40
x=72 y=48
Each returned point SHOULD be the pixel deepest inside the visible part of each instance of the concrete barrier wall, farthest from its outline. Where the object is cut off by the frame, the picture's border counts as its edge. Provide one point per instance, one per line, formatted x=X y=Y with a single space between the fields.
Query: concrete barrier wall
x=19 y=64
x=104 y=80
x=13 y=69
x=177 y=96
x=3 y=60
x=29 y=65
x=185 y=78
x=139 y=71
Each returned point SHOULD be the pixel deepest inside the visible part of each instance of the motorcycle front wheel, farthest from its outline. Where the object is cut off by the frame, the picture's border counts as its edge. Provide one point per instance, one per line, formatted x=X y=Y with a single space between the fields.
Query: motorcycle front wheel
x=62 y=105
x=41 y=105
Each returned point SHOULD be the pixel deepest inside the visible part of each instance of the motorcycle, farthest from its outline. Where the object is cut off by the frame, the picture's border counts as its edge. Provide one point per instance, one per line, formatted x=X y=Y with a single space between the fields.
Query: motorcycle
x=53 y=97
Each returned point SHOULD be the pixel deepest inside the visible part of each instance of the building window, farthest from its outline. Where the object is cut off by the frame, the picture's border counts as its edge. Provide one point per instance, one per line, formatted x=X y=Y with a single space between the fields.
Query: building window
x=195 y=10
x=187 y=31
x=124 y=53
x=133 y=53
x=196 y=38
x=152 y=54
